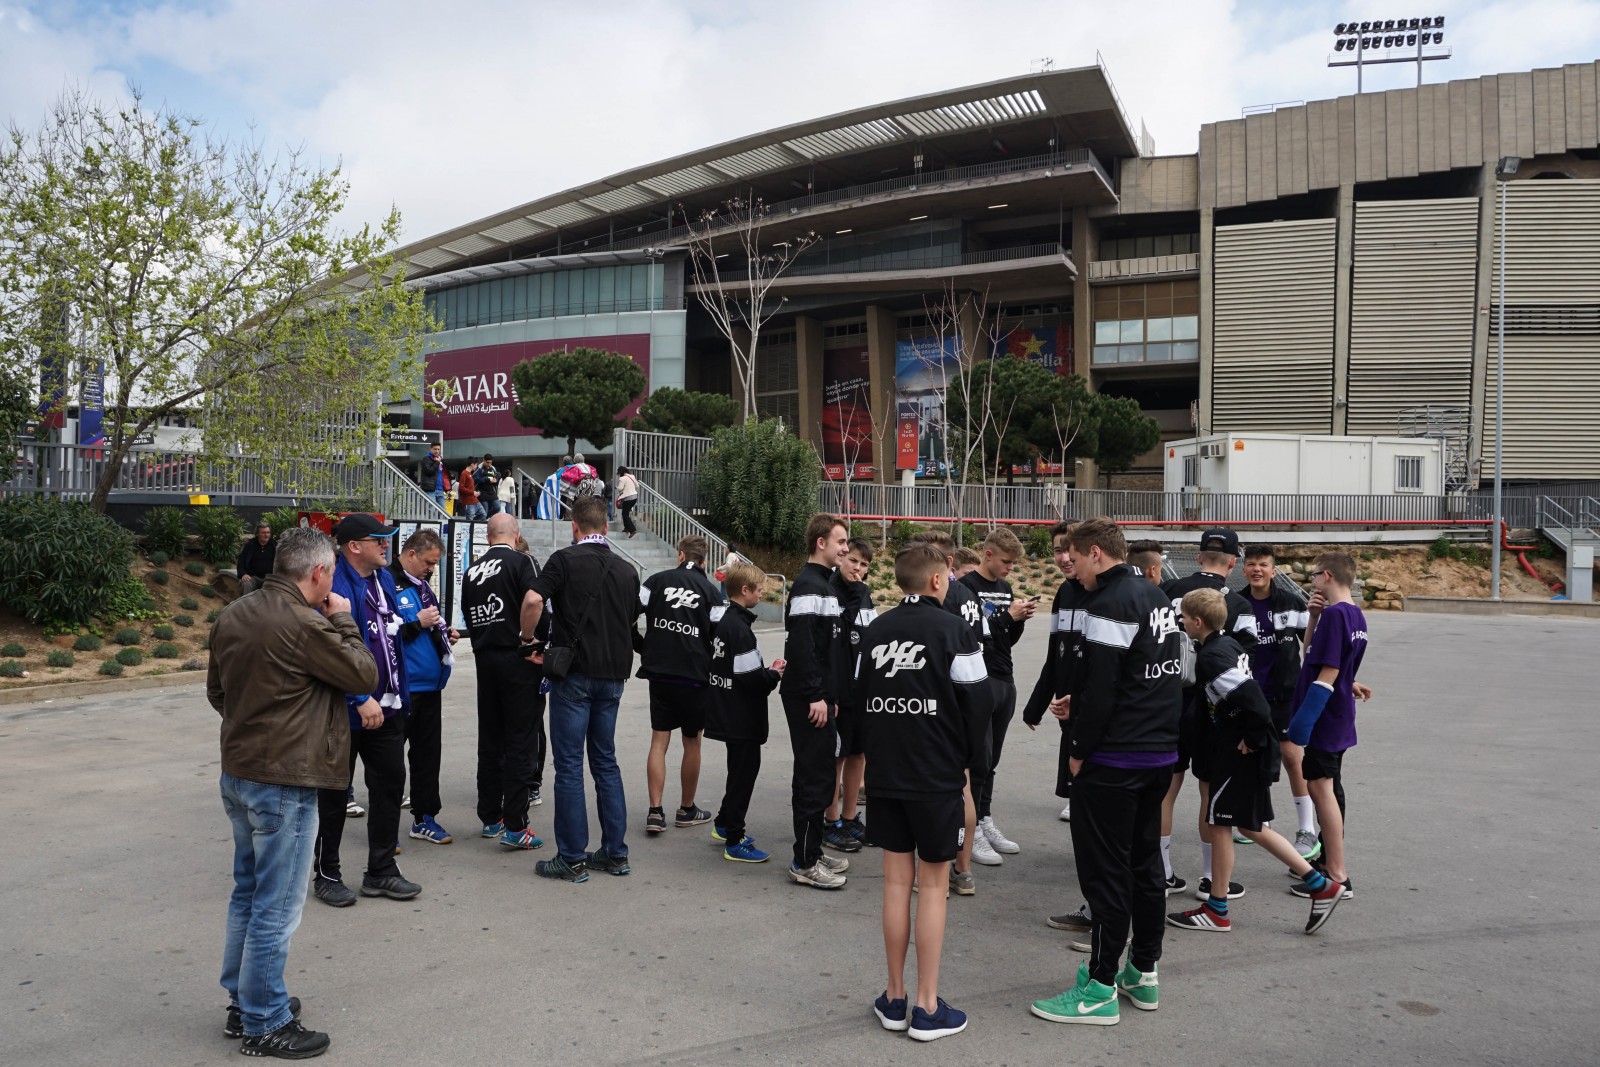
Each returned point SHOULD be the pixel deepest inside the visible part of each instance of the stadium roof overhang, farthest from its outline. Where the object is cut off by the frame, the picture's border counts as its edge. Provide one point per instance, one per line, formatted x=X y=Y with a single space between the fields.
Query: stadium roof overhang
x=1072 y=108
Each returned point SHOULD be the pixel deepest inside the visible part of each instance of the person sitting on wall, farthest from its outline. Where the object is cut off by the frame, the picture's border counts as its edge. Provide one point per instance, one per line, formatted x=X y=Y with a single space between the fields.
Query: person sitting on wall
x=256 y=558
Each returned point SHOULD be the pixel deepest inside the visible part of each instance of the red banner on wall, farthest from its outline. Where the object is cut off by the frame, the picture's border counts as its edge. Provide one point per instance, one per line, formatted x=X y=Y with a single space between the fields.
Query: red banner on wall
x=473 y=385
x=846 y=414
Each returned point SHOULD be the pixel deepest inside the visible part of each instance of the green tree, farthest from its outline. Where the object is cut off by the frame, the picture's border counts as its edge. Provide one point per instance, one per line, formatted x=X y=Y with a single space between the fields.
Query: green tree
x=192 y=273
x=758 y=484
x=1023 y=411
x=672 y=410
x=1123 y=432
x=577 y=393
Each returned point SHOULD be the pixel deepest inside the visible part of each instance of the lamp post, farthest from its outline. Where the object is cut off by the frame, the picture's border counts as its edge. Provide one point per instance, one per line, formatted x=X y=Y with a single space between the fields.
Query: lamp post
x=1503 y=173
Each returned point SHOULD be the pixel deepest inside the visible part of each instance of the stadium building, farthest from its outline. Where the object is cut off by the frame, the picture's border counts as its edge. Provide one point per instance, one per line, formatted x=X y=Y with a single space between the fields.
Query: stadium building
x=1320 y=268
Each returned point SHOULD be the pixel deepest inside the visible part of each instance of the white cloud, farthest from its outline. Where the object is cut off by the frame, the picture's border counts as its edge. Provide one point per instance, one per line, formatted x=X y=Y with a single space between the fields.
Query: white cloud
x=454 y=112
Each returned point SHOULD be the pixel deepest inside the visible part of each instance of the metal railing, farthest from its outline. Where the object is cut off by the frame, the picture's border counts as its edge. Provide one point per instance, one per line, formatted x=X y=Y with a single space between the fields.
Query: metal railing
x=396 y=496
x=1183 y=263
x=1039 y=505
x=461 y=320
x=933 y=259
x=1066 y=159
x=669 y=462
x=671 y=523
x=73 y=472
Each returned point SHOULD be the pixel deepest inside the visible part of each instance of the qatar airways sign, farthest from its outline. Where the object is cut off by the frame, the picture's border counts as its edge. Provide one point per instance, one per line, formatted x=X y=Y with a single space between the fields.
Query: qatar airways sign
x=474 y=391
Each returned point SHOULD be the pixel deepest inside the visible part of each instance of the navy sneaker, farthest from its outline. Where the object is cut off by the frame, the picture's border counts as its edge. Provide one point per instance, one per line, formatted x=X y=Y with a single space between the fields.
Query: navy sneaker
x=891 y=1013
x=601 y=861
x=856 y=829
x=560 y=870
x=941 y=1023
x=839 y=839
x=655 y=821
x=745 y=851
x=690 y=816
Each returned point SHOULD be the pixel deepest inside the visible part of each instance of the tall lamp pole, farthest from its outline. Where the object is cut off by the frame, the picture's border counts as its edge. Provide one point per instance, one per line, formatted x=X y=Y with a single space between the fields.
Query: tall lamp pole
x=1503 y=172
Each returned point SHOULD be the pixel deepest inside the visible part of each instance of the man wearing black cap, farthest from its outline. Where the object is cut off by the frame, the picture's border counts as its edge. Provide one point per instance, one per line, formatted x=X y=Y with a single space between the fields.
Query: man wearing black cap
x=377 y=720
x=1219 y=553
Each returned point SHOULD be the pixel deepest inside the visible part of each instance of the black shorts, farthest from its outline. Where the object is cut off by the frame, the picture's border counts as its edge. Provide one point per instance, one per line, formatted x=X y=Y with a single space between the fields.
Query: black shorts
x=1240 y=800
x=848 y=724
x=932 y=827
x=1197 y=725
x=678 y=707
x=1281 y=714
x=1320 y=763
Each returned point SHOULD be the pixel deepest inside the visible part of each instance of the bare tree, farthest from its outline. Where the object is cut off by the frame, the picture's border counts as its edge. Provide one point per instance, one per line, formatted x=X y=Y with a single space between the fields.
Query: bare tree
x=854 y=445
x=738 y=295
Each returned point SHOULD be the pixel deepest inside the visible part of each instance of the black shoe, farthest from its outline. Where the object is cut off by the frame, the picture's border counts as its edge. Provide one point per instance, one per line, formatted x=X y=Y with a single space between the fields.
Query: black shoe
x=291 y=1041
x=1202 y=890
x=233 y=1029
x=839 y=839
x=607 y=864
x=1176 y=885
x=332 y=893
x=393 y=886
x=655 y=821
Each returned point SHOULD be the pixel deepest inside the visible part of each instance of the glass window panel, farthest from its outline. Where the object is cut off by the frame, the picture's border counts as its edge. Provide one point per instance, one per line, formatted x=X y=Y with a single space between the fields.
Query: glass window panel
x=591 y=289
x=1106 y=333
x=1132 y=330
x=1105 y=353
x=1144 y=247
x=1186 y=350
x=1186 y=305
x=562 y=305
x=608 y=288
x=1158 y=329
x=1163 y=245
x=496 y=293
x=1132 y=306
x=1185 y=327
x=1131 y=354
x=1156 y=352
x=1187 y=287
x=1158 y=307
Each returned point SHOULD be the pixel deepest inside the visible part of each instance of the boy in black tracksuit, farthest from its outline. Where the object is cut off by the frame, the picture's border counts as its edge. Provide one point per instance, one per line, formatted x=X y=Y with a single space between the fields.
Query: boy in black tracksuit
x=737 y=716
x=680 y=607
x=844 y=831
x=1005 y=615
x=1219 y=553
x=1242 y=740
x=926 y=710
x=811 y=622
x=1124 y=739
x=1063 y=659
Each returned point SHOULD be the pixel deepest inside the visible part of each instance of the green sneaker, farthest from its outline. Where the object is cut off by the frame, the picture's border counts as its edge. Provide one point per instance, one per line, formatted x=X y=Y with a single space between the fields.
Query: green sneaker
x=1142 y=990
x=1087 y=1002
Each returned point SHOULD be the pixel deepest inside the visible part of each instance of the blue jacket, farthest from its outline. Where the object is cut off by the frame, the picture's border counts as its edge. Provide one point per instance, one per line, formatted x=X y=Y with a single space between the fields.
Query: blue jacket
x=426 y=671
x=350 y=585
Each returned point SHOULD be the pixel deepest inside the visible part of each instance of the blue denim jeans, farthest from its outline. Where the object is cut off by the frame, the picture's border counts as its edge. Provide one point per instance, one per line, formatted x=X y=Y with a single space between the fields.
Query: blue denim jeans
x=583 y=715
x=274 y=828
x=438 y=498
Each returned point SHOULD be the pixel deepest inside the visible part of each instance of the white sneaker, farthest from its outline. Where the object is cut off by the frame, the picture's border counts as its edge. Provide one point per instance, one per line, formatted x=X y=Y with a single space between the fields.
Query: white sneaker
x=354 y=811
x=405 y=801
x=983 y=852
x=998 y=840
x=817 y=876
x=836 y=864
x=1066 y=812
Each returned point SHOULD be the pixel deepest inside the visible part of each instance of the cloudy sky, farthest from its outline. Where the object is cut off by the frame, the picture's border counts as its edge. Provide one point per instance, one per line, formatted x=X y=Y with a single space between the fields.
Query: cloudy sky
x=455 y=110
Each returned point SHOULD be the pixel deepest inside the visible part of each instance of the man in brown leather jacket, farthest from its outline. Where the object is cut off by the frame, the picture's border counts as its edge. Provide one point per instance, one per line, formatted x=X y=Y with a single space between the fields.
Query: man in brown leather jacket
x=282 y=660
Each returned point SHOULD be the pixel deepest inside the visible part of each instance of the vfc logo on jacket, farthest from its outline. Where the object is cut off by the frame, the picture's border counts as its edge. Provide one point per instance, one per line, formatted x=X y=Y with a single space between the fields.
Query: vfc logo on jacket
x=681 y=608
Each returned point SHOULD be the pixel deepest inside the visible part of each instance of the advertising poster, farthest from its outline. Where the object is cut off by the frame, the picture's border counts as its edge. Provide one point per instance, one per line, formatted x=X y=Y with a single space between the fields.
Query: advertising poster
x=91 y=405
x=923 y=371
x=1048 y=345
x=473 y=385
x=846 y=414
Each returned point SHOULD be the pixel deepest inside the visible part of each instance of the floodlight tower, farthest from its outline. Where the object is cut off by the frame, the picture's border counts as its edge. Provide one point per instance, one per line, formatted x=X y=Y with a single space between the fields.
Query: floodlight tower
x=1357 y=44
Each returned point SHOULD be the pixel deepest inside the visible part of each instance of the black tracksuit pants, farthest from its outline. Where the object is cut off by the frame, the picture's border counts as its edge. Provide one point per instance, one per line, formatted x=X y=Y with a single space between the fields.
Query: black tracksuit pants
x=511 y=736
x=382 y=753
x=1005 y=707
x=1116 y=841
x=744 y=764
x=424 y=740
x=814 y=752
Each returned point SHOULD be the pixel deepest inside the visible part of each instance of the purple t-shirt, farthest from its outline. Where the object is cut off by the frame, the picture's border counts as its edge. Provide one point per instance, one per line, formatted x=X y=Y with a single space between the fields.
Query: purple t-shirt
x=1134 y=761
x=1264 y=653
x=1339 y=641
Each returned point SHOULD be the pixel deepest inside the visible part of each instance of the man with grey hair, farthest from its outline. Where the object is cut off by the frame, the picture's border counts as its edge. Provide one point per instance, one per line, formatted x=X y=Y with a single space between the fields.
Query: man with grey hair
x=281 y=663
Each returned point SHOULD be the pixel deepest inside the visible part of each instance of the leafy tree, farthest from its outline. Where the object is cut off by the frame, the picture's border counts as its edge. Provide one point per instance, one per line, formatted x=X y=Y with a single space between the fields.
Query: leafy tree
x=194 y=274
x=1027 y=405
x=1124 y=433
x=672 y=410
x=576 y=393
x=16 y=404
x=758 y=484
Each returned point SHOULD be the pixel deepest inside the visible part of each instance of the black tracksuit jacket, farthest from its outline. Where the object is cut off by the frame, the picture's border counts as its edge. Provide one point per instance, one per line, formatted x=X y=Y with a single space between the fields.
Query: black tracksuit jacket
x=1129 y=695
x=739 y=681
x=812 y=622
x=681 y=607
x=994 y=598
x=1236 y=707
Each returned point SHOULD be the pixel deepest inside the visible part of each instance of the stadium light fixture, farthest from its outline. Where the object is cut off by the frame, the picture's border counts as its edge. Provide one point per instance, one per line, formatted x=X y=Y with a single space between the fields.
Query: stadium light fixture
x=1382 y=41
x=993 y=207
x=918 y=218
x=840 y=233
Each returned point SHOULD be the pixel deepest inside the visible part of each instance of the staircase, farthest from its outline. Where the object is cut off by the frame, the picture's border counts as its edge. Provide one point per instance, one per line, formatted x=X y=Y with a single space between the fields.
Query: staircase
x=647 y=552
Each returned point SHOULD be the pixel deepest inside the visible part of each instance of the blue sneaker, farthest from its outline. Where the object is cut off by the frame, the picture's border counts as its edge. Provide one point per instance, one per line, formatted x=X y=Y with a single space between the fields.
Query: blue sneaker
x=493 y=829
x=891 y=1013
x=521 y=839
x=941 y=1023
x=718 y=834
x=745 y=851
x=425 y=829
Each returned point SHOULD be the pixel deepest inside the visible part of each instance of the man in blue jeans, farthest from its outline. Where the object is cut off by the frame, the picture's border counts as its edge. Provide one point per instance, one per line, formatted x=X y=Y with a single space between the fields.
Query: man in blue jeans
x=593 y=630
x=281 y=662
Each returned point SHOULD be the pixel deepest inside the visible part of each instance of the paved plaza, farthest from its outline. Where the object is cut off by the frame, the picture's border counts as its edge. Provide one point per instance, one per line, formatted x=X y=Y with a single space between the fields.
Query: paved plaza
x=1470 y=939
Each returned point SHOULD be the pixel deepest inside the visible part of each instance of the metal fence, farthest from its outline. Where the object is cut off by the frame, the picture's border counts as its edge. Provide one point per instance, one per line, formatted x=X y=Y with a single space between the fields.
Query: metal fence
x=73 y=472
x=667 y=462
x=1042 y=504
x=396 y=496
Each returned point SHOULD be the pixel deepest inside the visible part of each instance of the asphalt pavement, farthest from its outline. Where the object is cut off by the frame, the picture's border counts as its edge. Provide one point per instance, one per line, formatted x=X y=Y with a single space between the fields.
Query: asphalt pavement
x=1467 y=942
